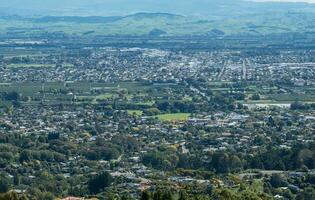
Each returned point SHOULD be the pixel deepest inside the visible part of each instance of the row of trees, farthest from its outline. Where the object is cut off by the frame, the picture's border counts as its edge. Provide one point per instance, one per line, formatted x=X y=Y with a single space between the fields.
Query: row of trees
x=219 y=194
x=299 y=157
x=302 y=106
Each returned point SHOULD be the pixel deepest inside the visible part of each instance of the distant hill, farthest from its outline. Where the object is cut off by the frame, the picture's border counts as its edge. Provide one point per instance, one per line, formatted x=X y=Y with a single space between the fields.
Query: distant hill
x=75 y=19
x=143 y=15
x=100 y=19
x=161 y=24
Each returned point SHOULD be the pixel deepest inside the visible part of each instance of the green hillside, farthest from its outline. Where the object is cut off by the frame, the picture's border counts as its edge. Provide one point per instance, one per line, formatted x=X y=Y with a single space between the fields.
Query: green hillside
x=160 y=24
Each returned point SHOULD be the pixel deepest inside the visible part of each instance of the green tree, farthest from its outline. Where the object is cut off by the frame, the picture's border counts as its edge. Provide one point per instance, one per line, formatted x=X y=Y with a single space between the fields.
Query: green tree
x=248 y=195
x=183 y=195
x=307 y=194
x=167 y=195
x=145 y=195
x=277 y=180
x=99 y=182
x=255 y=97
x=226 y=194
x=4 y=184
x=158 y=195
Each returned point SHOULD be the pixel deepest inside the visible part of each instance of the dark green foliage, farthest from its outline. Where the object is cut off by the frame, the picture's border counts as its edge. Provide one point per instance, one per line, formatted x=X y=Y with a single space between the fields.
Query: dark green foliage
x=307 y=194
x=98 y=182
x=53 y=136
x=277 y=180
x=145 y=195
x=4 y=184
x=301 y=106
x=183 y=195
x=12 y=196
x=158 y=160
x=11 y=96
x=255 y=97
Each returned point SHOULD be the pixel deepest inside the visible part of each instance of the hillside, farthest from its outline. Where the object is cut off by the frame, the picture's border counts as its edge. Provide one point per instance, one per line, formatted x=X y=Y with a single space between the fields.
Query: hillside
x=160 y=24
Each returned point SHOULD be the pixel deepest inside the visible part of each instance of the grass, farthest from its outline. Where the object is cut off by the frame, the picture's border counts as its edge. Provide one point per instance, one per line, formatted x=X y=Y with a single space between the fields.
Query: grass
x=148 y=103
x=30 y=65
x=135 y=112
x=67 y=65
x=187 y=98
x=103 y=97
x=174 y=117
x=87 y=98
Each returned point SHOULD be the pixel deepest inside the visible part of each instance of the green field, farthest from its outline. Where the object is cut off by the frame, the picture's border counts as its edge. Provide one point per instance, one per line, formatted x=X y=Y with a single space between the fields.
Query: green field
x=174 y=117
x=101 y=97
x=148 y=103
x=30 y=65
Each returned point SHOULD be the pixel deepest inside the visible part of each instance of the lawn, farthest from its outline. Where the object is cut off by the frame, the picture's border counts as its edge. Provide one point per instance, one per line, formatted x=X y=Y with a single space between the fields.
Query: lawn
x=104 y=97
x=101 y=97
x=147 y=103
x=174 y=117
x=135 y=112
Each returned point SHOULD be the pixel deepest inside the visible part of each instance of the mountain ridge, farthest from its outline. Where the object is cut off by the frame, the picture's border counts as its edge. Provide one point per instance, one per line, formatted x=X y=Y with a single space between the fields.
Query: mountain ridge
x=161 y=24
x=93 y=19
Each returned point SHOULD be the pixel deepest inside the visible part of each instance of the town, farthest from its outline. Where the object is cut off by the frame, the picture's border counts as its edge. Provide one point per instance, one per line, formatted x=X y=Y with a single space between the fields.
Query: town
x=152 y=119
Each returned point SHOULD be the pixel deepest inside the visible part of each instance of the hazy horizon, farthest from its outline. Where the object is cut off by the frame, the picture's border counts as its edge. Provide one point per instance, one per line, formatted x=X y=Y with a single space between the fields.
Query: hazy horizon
x=123 y=7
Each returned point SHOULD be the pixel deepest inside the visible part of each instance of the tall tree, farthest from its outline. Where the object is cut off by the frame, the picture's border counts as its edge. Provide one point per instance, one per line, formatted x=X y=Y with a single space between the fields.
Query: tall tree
x=99 y=182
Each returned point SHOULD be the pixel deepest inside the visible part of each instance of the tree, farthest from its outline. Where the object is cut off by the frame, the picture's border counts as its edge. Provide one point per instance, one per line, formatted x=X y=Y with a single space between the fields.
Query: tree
x=126 y=197
x=277 y=180
x=235 y=163
x=99 y=182
x=12 y=96
x=248 y=195
x=25 y=156
x=158 y=195
x=53 y=136
x=183 y=196
x=152 y=111
x=297 y=106
x=256 y=97
x=4 y=184
x=167 y=195
x=271 y=122
x=12 y=196
x=307 y=194
x=221 y=162
x=16 y=179
x=145 y=195
x=226 y=194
